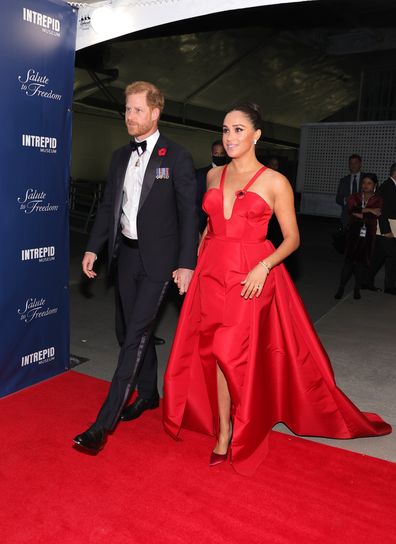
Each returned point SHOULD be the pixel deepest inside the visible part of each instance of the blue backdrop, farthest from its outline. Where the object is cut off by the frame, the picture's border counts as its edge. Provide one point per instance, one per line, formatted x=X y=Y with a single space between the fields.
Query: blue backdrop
x=37 y=44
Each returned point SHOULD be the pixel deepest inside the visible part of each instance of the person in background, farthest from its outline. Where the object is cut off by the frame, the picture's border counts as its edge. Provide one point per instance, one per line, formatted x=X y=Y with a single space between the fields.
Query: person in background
x=364 y=209
x=349 y=185
x=385 y=245
x=219 y=158
x=273 y=163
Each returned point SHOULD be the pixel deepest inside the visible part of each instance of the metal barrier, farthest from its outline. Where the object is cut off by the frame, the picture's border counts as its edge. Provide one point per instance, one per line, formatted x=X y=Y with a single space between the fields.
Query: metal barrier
x=85 y=196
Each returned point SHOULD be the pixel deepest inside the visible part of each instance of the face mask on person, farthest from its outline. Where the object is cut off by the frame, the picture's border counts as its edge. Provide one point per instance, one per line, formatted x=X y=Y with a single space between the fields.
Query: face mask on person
x=219 y=161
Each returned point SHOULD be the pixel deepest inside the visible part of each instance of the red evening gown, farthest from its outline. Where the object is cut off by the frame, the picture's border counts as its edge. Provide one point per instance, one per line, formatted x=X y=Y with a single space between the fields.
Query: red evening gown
x=275 y=365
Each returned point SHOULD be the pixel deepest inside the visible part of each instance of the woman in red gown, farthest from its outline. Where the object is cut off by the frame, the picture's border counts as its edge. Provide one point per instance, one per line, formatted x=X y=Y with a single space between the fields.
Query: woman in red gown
x=245 y=354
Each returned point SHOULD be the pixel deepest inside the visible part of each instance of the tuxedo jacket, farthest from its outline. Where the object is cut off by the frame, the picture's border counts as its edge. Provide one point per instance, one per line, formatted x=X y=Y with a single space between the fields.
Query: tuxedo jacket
x=200 y=175
x=167 y=218
x=388 y=192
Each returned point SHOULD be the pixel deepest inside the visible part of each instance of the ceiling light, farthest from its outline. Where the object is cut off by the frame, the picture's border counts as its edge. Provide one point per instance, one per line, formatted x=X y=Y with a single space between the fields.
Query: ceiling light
x=102 y=19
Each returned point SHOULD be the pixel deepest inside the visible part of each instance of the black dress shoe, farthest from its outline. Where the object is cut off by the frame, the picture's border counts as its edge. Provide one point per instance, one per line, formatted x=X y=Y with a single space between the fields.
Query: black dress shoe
x=390 y=290
x=92 y=440
x=340 y=293
x=138 y=407
x=158 y=341
x=371 y=288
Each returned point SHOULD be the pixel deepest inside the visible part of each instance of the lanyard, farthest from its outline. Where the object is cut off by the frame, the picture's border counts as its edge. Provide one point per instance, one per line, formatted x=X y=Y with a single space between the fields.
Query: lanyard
x=364 y=204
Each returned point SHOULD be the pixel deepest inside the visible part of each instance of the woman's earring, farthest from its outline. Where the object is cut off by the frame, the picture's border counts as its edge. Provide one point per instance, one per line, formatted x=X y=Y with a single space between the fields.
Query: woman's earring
x=255 y=142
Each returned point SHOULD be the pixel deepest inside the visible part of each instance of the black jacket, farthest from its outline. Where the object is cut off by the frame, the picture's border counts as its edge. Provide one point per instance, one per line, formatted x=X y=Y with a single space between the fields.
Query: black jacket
x=343 y=192
x=388 y=192
x=167 y=218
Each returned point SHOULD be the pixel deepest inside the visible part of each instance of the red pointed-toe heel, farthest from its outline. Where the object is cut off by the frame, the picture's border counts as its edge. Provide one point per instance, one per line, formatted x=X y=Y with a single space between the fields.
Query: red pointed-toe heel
x=217 y=458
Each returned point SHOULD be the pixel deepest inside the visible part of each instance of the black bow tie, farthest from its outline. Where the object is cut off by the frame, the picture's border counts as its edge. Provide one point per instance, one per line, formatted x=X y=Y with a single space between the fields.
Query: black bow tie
x=140 y=147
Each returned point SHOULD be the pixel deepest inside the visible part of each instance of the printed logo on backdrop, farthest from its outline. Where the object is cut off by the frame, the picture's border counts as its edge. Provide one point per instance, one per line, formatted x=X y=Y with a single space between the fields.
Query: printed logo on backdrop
x=35 y=84
x=44 y=144
x=34 y=201
x=35 y=308
x=41 y=357
x=84 y=20
x=39 y=254
x=47 y=24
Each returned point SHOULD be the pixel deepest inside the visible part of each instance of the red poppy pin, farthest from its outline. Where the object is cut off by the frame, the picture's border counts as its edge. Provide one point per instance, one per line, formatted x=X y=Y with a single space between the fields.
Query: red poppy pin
x=162 y=151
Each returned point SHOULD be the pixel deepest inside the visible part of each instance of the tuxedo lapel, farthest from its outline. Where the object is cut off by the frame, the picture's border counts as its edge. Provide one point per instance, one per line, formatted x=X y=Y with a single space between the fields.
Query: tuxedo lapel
x=149 y=176
x=119 y=181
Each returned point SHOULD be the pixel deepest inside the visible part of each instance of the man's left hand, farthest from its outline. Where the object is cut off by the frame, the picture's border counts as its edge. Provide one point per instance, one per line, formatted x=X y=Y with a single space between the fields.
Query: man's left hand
x=182 y=278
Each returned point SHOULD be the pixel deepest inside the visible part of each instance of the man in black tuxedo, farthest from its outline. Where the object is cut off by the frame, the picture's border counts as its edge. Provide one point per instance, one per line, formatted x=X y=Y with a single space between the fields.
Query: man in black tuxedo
x=385 y=241
x=219 y=158
x=349 y=185
x=148 y=220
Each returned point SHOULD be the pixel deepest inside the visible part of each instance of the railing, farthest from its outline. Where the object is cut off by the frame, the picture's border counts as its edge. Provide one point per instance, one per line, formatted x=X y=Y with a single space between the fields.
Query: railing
x=85 y=196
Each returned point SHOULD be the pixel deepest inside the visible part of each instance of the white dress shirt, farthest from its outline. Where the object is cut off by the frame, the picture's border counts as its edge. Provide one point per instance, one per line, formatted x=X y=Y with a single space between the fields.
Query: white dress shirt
x=133 y=187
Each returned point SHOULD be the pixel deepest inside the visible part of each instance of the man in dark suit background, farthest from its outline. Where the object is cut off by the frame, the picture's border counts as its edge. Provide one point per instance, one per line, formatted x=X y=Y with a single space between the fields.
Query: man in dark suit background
x=385 y=241
x=349 y=185
x=219 y=158
x=273 y=163
x=148 y=220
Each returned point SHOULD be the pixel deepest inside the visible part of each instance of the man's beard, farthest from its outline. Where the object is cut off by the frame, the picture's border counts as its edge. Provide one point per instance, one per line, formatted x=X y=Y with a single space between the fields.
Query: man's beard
x=137 y=130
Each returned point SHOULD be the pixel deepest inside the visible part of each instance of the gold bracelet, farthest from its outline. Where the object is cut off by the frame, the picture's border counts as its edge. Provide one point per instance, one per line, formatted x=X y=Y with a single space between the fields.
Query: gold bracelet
x=266 y=266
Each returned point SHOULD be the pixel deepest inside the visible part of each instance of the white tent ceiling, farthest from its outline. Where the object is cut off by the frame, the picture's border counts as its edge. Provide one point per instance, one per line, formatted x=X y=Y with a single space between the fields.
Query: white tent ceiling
x=108 y=19
x=301 y=62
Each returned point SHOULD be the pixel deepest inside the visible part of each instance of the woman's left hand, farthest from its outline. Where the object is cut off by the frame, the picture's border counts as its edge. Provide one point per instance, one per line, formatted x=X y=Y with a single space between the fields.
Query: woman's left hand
x=254 y=282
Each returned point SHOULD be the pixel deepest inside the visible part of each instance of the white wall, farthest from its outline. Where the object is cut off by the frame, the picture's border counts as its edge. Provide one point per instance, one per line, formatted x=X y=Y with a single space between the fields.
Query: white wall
x=323 y=160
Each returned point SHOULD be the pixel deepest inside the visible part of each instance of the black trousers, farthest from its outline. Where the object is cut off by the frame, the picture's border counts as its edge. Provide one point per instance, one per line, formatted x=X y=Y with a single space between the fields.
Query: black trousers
x=139 y=299
x=384 y=252
x=349 y=268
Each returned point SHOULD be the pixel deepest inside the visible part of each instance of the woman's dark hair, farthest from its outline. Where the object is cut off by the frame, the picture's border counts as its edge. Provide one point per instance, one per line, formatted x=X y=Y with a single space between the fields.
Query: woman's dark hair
x=392 y=169
x=373 y=178
x=252 y=111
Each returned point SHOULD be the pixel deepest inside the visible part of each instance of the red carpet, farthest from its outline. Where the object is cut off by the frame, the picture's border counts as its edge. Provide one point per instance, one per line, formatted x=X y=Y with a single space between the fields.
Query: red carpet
x=146 y=488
